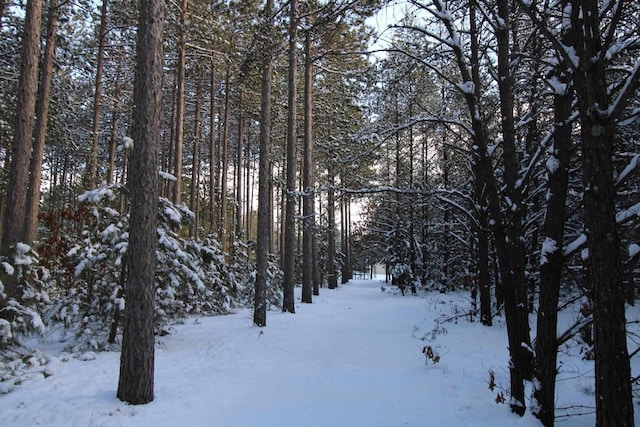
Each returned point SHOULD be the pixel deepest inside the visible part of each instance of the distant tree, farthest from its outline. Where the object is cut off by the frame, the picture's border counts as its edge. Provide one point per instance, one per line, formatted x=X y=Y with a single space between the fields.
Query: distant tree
x=135 y=384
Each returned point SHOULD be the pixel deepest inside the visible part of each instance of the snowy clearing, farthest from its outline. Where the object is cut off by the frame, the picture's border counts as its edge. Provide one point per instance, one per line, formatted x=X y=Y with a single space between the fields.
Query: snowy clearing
x=353 y=358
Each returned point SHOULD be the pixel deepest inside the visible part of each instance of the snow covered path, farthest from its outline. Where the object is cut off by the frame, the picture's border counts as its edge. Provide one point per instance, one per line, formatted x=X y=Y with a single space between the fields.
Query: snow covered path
x=350 y=359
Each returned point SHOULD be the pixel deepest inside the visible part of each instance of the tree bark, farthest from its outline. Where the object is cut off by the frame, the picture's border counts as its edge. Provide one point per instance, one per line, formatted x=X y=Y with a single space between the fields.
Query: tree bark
x=614 y=404
x=115 y=119
x=194 y=200
x=135 y=384
x=264 y=178
x=288 y=304
x=551 y=267
x=238 y=168
x=212 y=148
x=224 y=158
x=179 y=130
x=92 y=175
x=513 y=277
x=308 y=182
x=13 y=226
x=42 y=114
x=332 y=278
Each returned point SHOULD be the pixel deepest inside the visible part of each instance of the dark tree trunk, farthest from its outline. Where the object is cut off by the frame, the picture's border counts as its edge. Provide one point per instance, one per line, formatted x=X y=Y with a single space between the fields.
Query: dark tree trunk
x=288 y=304
x=16 y=199
x=551 y=267
x=264 y=178
x=308 y=183
x=42 y=114
x=135 y=384
x=507 y=242
x=614 y=406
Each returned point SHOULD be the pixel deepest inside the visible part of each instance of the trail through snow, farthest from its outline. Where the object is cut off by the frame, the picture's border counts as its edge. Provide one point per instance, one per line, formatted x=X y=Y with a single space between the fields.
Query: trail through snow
x=352 y=358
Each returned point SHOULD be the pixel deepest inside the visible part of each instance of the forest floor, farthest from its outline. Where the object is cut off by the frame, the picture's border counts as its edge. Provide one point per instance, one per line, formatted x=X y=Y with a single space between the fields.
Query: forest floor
x=352 y=358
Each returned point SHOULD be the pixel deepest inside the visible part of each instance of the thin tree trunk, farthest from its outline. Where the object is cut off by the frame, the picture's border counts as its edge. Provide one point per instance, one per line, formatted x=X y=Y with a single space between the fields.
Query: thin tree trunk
x=239 y=150
x=523 y=360
x=332 y=278
x=551 y=265
x=179 y=132
x=92 y=177
x=114 y=129
x=42 y=114
x=224 y=158
x=264 y=179
x=248 y=188
x=212 y=148
x=135 y=385
x=308 y=182
x=288 y=304
x=195 y=168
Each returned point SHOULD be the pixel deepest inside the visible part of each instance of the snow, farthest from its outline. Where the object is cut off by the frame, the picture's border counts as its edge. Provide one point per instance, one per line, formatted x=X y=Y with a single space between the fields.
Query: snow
x=633 y=164
x=167 y=176
x=559 y=88
x=353 y=358
x=552 y=164
x=549 y=246
x=634 y=250
x=467 y=87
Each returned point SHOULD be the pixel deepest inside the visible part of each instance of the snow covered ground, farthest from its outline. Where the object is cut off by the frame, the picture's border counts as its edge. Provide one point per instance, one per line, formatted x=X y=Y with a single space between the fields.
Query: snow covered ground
x=353 y=358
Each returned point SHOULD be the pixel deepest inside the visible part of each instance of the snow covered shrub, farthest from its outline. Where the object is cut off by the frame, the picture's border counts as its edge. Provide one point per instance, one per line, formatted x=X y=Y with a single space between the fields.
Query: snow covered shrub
x=191 y=275
x=89 y=305
x=242 y=276
x=22 y=311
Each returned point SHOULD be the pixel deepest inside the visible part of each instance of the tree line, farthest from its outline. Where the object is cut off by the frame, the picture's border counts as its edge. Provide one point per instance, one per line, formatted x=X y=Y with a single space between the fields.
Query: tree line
x=491 y=147
x=512 y=153
x=147 y=146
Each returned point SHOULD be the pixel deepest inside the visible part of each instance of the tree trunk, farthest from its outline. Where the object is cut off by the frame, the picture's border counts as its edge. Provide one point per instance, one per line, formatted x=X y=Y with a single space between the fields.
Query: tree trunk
x=42 y=113
x=513 y=278
x=264 y=178
x=13 y=226
x=239 y=150
x=288 y=304
x=114 y=129
x=614 y=404
x=551 y=265
x=212 y=148
x=92 y=175
x=224 y=158
x=308 y=184
x=332 y=278
x=135 y=385
x=179 y=131
x=194 y=200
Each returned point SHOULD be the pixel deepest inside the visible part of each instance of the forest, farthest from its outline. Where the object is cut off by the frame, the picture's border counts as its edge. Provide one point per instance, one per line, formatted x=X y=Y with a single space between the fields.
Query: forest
x=164 y=160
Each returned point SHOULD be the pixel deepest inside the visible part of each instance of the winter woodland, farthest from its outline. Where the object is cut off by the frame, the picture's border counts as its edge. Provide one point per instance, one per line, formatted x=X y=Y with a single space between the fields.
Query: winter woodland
x=436 y=201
